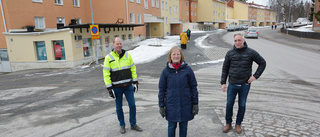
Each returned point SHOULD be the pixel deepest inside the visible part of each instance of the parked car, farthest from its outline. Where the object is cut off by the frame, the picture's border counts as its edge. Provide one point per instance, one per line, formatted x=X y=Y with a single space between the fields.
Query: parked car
x=231 y=28
x=251 y=33
x=244 y=26
x=236 y=27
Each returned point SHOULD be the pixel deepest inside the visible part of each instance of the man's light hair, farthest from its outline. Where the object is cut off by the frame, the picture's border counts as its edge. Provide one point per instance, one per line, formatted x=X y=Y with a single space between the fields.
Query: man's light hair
x=238 y=34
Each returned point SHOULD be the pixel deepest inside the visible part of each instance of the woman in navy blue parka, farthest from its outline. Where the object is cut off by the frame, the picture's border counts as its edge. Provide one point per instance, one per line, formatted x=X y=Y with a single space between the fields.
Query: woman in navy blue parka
x=178 y=94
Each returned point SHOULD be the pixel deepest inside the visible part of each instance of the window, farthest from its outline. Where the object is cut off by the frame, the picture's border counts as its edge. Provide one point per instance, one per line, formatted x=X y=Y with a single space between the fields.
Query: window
x=162 y=5
x=58 y=2
x=131 y=17
x=170 y=10
x=36 y=0
x=123 y=37
x=195 y=5
x=138 y=1
x=61 y=20
x=76 y=3
x=41 y=50
x=131 y=0
x=59 y=51
x=39 y=22
x=166 y=6
x=187 y=3
x=157 y=3
x=87 y=48
x=4 y=55
x=130 y=36
x=174 y=8
x=139 y=18
x=191 y=5
x=78 y=20
x=167 y=20
x=195 y=13
x=152 y=3
x=146 y=4
x=187 y=12
x=191 y=13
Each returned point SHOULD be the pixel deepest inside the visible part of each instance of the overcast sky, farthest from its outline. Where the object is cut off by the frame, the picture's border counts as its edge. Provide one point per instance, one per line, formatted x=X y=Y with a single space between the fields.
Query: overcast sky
x=260 y=2
x=265 y=2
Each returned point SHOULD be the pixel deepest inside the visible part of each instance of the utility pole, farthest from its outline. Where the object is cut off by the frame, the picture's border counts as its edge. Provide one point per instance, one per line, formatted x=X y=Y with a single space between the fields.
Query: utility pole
x=94 y=41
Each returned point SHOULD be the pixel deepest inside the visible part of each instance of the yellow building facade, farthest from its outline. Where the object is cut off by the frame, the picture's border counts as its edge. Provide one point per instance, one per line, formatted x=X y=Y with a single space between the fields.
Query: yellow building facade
x=62 y=48
x=170 y=13
x=219 y=14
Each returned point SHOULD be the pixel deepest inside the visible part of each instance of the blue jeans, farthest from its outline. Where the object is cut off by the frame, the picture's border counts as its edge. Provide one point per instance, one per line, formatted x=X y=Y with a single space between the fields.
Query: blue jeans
x=183 y=128
x=128 y=92
x=232 y=91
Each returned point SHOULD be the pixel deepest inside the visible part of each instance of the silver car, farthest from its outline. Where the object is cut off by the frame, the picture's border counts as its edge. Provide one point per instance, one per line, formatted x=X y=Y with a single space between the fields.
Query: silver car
x=251 y=33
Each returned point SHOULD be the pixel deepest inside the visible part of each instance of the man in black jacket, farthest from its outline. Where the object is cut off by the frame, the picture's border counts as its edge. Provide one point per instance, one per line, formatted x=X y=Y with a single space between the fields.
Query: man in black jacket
x=237 y=67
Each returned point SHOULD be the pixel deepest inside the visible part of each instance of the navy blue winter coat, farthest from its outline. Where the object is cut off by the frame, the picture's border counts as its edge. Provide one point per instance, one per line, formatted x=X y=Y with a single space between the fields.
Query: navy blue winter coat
x=178 y=92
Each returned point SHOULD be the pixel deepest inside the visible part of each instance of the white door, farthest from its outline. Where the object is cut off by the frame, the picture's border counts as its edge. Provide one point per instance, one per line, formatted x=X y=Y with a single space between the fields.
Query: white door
x=4 y=61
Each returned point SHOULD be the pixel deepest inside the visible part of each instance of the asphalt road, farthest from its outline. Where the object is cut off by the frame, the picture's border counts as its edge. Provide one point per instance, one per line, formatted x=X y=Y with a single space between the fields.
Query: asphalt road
x=74 y=102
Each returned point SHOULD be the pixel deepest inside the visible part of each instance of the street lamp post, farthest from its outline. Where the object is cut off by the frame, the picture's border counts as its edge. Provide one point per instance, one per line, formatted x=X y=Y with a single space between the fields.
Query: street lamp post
x=94 y=41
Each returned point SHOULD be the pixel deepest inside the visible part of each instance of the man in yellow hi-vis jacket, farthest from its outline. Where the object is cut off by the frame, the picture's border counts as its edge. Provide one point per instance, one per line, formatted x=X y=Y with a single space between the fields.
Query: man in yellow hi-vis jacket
x=120 y=77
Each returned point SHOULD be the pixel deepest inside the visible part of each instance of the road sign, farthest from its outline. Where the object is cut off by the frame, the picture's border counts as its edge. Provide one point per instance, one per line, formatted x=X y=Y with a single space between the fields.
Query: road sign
x=95 y=37
x=94 y=30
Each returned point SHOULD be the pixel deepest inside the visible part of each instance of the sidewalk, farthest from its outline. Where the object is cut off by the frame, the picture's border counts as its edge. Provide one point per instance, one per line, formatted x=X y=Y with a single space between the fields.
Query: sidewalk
x=277 y=36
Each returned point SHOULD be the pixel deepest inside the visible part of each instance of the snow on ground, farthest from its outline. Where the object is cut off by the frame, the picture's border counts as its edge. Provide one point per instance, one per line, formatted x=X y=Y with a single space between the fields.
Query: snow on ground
x=151 y=49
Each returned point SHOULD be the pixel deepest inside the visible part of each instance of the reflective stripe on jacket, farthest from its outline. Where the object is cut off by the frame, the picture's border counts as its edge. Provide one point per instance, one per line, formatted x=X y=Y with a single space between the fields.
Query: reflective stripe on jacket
x=119 y=71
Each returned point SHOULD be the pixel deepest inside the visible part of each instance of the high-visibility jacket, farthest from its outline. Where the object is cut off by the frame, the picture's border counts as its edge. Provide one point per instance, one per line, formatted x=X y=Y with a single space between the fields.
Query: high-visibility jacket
x=183 y=38
x=119 y=70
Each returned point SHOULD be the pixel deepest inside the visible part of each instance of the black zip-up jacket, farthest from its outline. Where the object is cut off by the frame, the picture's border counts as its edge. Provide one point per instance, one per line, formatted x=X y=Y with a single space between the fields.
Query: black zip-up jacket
x=238 y=65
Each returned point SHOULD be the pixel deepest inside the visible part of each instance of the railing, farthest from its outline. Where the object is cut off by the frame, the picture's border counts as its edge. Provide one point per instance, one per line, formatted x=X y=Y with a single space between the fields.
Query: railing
x=311 y=35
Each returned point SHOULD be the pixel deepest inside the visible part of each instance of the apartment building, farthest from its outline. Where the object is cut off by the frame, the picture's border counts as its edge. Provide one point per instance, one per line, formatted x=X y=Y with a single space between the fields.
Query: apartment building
x=205 y=15
x=147 y=12
x=189 y=14
x=57 y=34
x=219 y=14
x=250 y=13
x=170 y=13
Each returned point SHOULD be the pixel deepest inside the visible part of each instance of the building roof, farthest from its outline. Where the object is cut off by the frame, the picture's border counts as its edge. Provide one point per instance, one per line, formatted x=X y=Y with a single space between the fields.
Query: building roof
x=102 y=25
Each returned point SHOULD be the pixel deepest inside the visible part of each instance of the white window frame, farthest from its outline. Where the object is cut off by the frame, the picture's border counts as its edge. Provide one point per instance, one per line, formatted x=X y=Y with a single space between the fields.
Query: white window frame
x=132 y=20
x=162 y=5
x=61 y=21
x=139 y=18
x=131 y=0
x=40 y=1
x=167 y=20
x=157 y=3
x=187 y=12
x=191 y=13
x=152 y=3
x=166 y=6
x=76 y=3
x=187 y=3
x=195 y=13
x=146 y=4
x=58 y=2
x=39 y=22
x=195 y=5
x=138 y=1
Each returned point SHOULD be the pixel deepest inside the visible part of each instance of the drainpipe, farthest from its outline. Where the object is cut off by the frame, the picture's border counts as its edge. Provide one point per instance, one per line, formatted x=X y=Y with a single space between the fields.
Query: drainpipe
x=4 y=20
x=127 y=10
